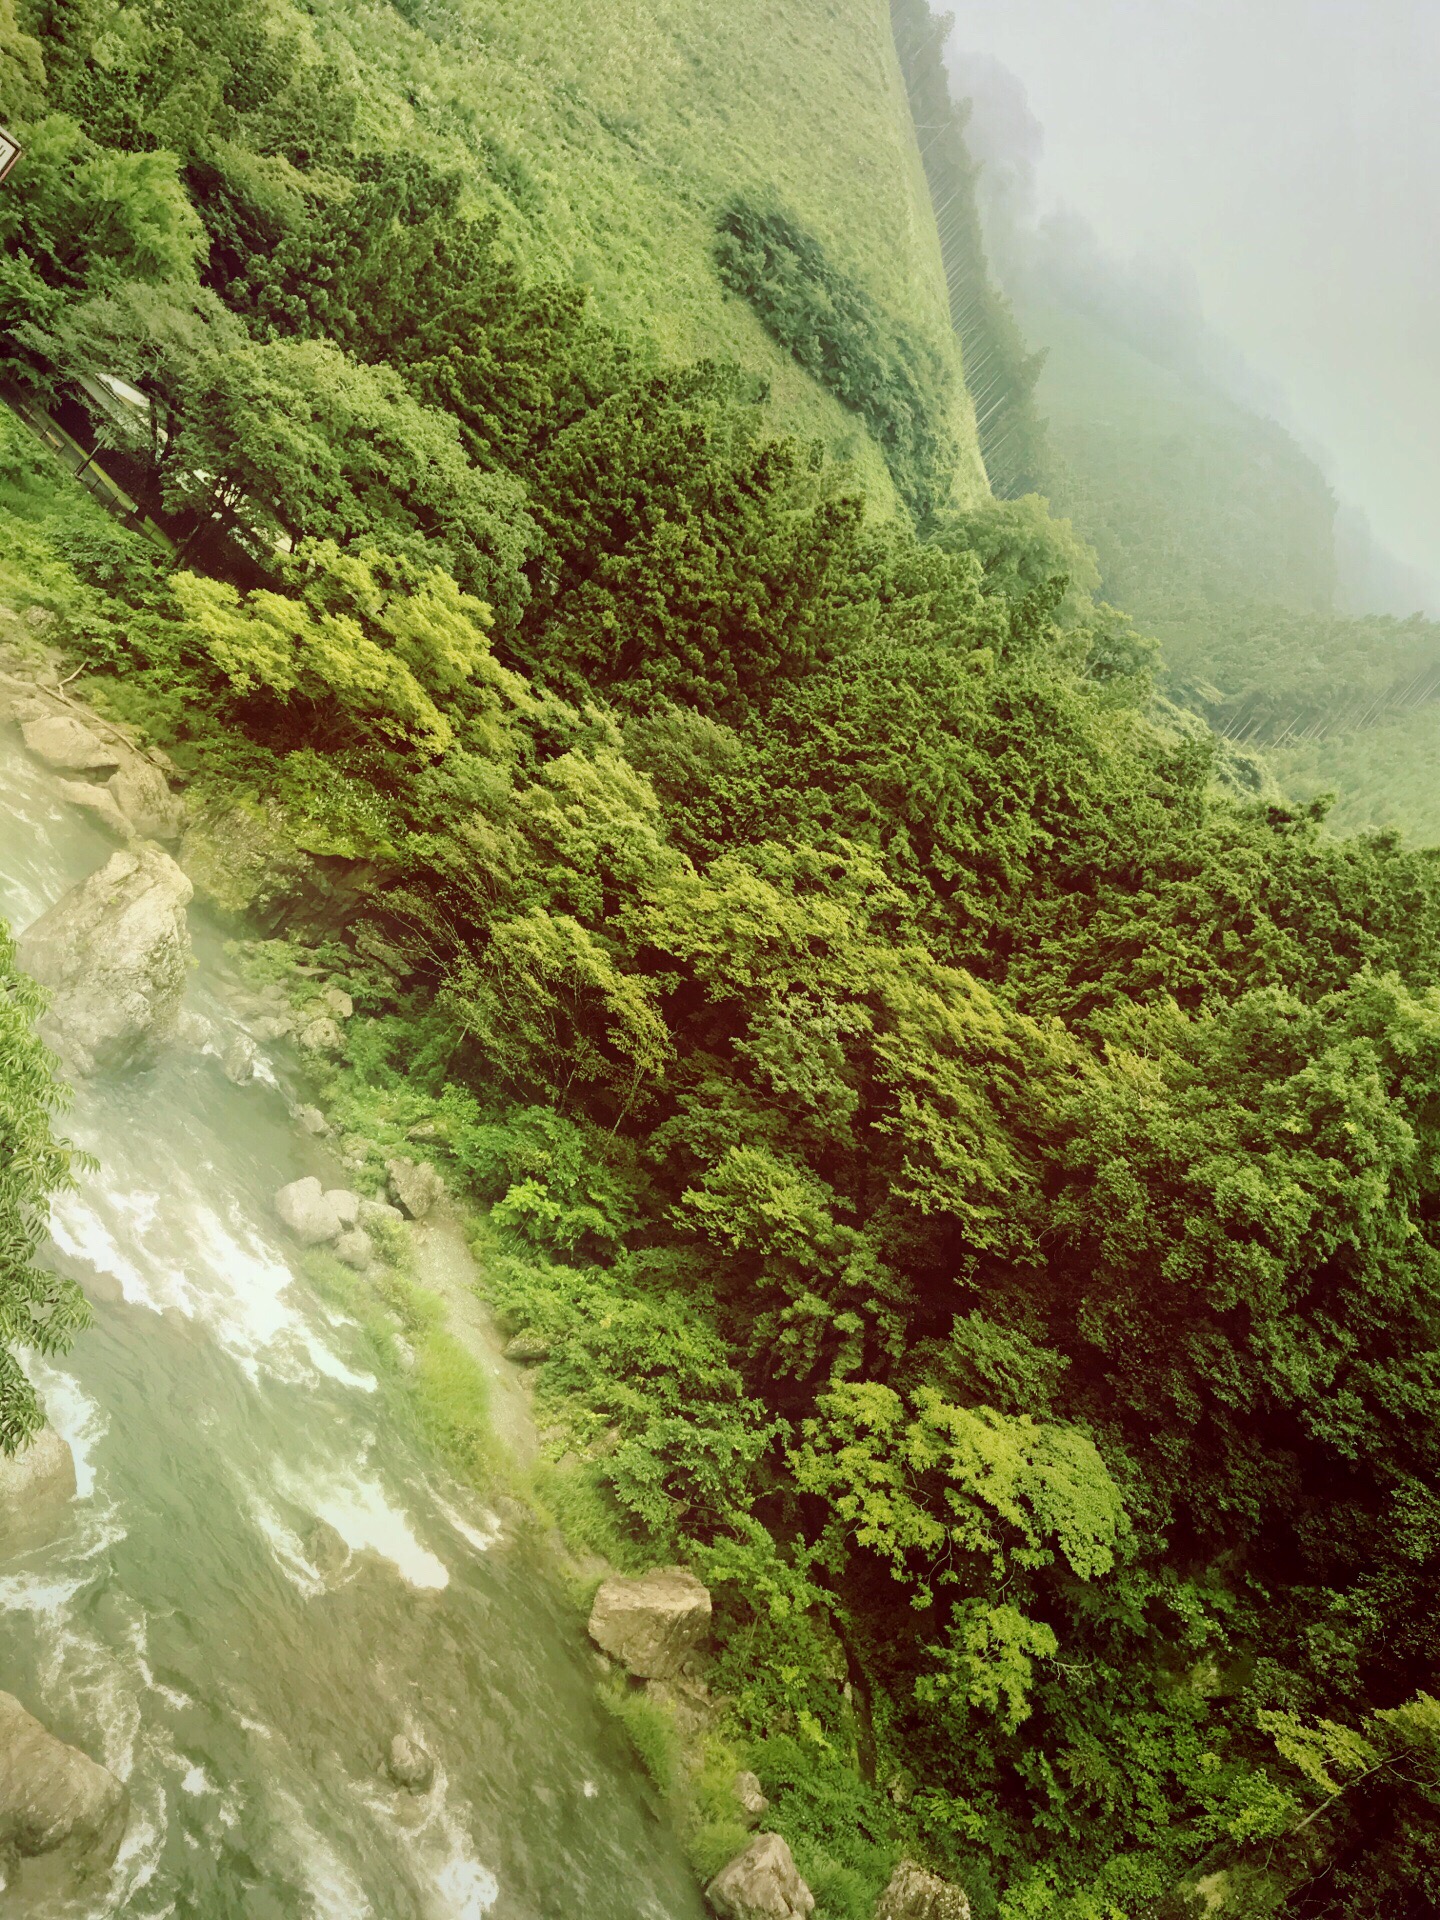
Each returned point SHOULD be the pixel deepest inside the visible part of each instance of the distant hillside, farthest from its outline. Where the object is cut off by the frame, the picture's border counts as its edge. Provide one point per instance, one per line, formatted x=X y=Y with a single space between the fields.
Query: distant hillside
x=612 y=134
x=1192 y=501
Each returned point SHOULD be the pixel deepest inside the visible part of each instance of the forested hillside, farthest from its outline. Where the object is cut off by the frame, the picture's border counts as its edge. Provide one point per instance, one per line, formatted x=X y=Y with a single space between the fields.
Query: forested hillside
x=974 y=1185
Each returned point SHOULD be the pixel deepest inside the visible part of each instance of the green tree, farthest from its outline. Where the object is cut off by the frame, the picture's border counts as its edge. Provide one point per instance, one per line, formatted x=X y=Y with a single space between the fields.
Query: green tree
x=37 y=1309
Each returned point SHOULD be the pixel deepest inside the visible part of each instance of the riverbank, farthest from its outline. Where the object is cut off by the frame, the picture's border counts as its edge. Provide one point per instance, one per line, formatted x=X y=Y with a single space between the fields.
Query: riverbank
x=269 y=1571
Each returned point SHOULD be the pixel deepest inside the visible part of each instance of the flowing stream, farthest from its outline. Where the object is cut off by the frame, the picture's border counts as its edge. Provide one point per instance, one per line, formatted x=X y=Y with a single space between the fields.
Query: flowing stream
x=190 y=1627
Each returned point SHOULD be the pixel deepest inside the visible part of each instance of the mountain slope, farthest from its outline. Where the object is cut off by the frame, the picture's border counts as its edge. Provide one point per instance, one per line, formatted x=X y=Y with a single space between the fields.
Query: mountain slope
x=611 y=137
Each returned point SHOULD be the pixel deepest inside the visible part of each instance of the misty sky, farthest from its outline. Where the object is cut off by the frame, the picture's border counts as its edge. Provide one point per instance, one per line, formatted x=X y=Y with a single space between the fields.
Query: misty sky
x=1290 y=151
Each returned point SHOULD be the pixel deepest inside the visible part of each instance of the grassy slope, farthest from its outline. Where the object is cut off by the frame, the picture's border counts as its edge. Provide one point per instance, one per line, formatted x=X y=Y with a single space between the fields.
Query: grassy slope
x=637 y=120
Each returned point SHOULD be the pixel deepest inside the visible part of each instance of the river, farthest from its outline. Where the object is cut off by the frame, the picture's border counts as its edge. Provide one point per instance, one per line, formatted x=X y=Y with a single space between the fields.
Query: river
x=188 y=1629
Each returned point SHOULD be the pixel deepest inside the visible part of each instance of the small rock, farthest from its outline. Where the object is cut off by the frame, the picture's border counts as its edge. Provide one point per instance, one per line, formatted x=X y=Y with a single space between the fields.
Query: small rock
x=311 y=1120
x=751 y=1795
x=326 y=1550
x=38 y=618
x=35 y=1485
x=237 y=1059
x=916 y=1894
x=653 y=1623
x=309 y=1212
x=356 y=1249
x=64 y=741
x=55 y=1800
x=689 y=1705
x=528 y=1348
x=339 y=1002
x=321 y=1036
x=379 y=1214
x=409 y=1765
x=346 y=1205
x=417 y=1187
x=761 y=1883
x=274 y=1026
x=193 y=1030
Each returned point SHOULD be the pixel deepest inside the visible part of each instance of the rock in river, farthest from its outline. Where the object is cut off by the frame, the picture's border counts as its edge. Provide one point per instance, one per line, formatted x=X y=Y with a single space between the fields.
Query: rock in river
x=653 y=1623
x=36 y=1484
x=762 y=1883
x=115 y=952
x=54 y=1801
x=409 y=1765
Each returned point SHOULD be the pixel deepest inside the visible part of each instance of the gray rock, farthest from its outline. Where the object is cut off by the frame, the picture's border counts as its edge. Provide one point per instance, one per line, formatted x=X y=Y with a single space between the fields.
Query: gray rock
x=36 y=1485
x=54 y=1800
x=688 y=1703
x=237 y=1058
x=97 y=800
x=416 y=1186
x=751 y=1795
x=38 y=618
x=409 y=1765
x=528 y=1348
x=338 y=1003
x=761 y=1883
x=346 y=1205
x=143 y=796
x=310 y=1213
x=377 y=1214
x=321 y=1035
x=115 y=952
x=651 y=1624
x=356 y=1249
x=274 y=1026
x=916 y=1894
x=63 y=740
x=326 y=1550
x=312 y=1120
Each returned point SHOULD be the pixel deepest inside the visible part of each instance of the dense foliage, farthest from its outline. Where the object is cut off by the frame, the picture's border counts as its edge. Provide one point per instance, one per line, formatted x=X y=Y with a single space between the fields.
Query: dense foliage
x=976 y=1183
x=38 y=1310
x=881 y=368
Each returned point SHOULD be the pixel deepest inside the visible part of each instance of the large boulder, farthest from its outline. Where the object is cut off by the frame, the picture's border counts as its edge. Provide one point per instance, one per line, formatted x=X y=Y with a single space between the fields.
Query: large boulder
x=63 y=740
x=916 y=1894
x=36 y=1484
x=314 y=1215
x=55 y=1801
x=651 y=1624
x=115 y=952
x=415 y=1185
x=762 y=1883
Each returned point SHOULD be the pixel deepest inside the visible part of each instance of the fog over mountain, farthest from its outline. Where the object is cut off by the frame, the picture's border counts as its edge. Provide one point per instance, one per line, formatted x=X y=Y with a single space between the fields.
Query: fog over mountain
x=1274 y=167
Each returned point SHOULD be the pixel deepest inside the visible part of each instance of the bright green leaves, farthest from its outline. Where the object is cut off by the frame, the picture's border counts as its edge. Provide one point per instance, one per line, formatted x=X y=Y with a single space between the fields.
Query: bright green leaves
x=963 y=1498
x=371 y=646
x=957 y=1496
x=37 y=1309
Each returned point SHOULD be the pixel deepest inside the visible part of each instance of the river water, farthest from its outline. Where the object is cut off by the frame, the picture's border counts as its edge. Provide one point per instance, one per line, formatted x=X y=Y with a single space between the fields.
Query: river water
x=190 y=1630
